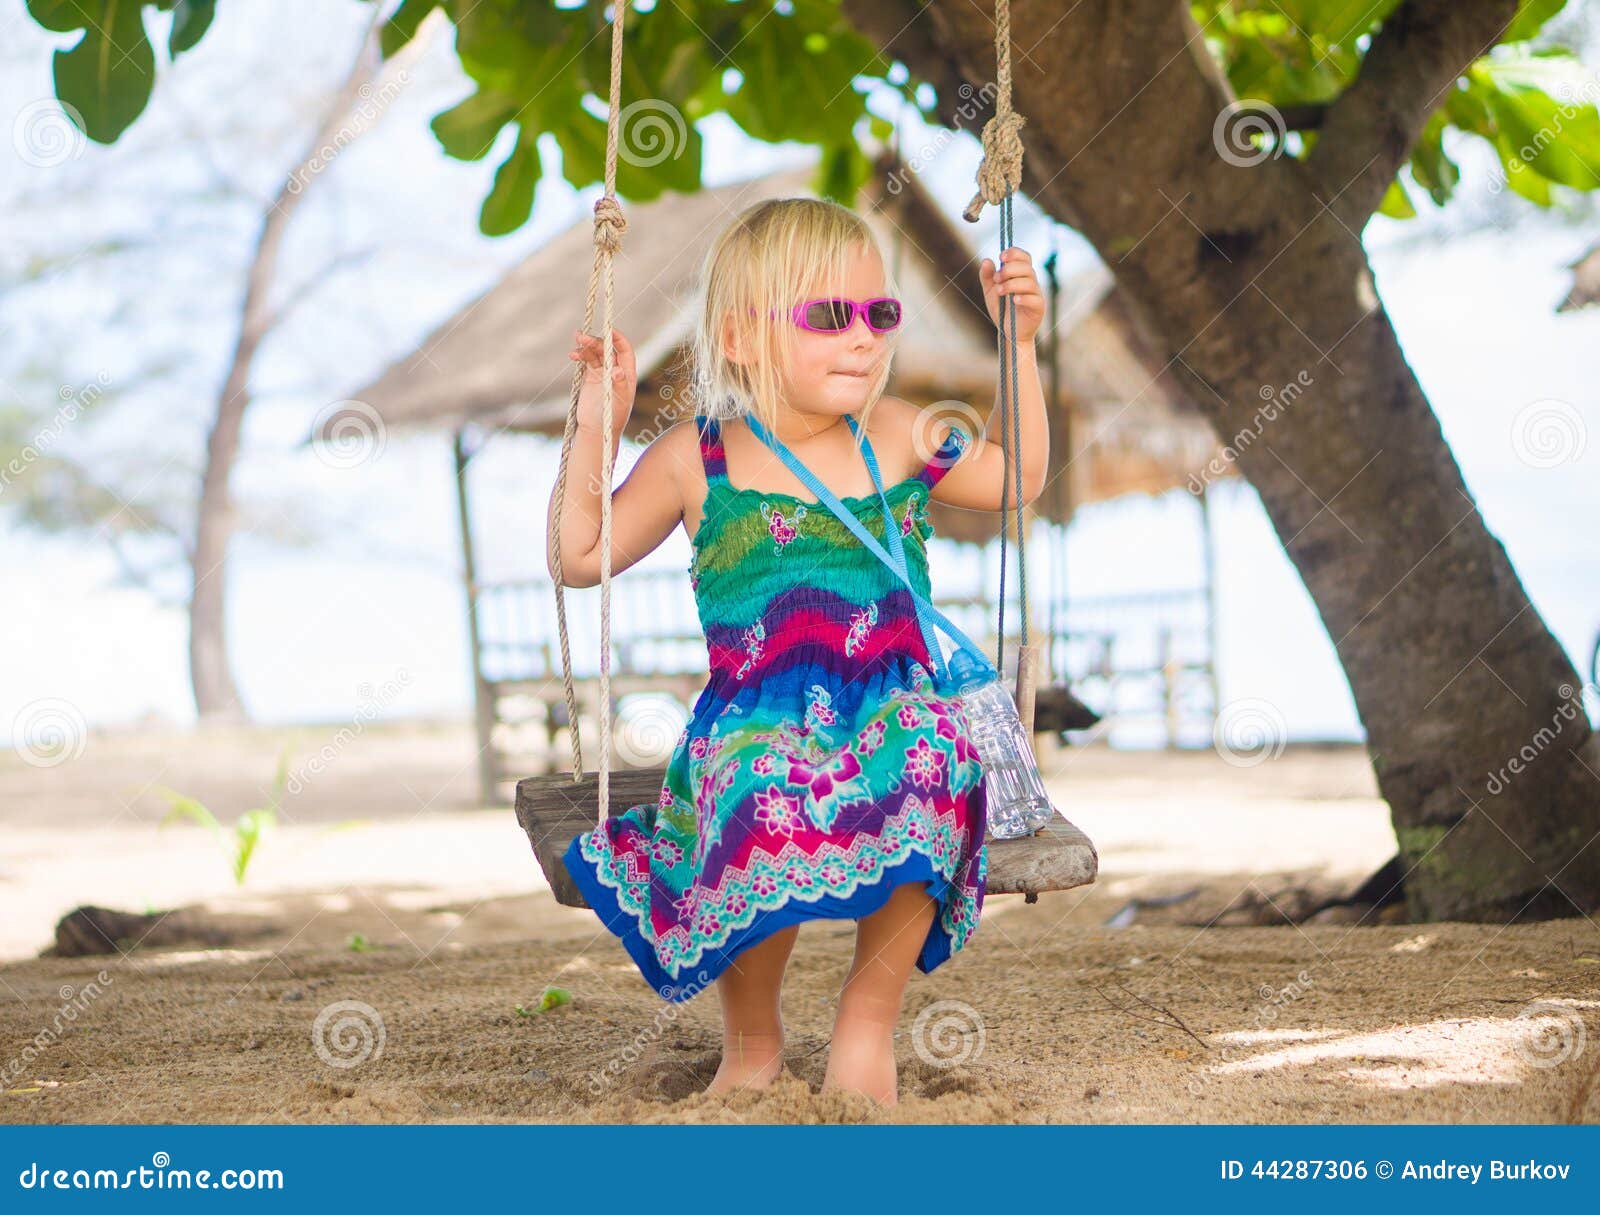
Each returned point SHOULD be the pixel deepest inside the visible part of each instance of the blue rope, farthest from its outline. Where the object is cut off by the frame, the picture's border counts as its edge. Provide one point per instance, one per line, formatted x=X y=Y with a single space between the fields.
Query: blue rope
x=927 y=615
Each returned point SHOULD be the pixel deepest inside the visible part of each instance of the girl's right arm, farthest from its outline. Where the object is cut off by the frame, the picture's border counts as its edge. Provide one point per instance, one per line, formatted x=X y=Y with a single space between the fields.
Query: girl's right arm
x=645 y=507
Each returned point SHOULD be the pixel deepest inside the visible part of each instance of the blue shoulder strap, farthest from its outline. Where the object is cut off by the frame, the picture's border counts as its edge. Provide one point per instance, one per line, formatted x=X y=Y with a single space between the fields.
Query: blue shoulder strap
x=897 y=562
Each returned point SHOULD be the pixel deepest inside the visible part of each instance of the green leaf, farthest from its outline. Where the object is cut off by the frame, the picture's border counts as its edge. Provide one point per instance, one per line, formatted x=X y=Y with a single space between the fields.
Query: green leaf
x=467 y=131
x=181 y=807
x=1558 y=140
x=402 y=27
x=106 y=77
x=1519 y=175
x=1396 y=202
x=1434 y=171
x=843 y=170
x=190 y=20
x=510 y=202
x=248 y=832
x=1340 y=22
x=58 y=16
x=517 y=46
x=658 y=150
x=798 y=72
x=1530 y=18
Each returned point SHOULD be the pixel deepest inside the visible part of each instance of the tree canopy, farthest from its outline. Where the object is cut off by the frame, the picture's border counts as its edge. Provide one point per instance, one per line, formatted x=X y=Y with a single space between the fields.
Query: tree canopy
x=798 y=70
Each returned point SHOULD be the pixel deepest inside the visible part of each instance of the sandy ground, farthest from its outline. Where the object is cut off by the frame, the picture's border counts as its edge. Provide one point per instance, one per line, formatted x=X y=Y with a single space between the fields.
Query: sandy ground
x=400 y=927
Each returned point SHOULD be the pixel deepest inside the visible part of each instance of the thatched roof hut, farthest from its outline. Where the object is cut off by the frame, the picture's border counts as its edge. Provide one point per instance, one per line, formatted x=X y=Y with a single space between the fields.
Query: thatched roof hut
x=1585 y=282
x=1122 y=425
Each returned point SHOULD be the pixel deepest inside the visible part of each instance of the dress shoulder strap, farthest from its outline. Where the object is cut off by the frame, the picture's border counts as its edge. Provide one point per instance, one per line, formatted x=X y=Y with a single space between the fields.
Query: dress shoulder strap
x=713 y=456
x=945 y=458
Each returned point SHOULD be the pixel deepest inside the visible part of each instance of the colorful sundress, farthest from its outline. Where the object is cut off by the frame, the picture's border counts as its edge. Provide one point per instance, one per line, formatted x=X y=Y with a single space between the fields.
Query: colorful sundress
x=819 y=769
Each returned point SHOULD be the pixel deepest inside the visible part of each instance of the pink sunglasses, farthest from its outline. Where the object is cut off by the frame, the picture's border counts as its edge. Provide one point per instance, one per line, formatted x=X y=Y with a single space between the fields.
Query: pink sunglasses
x=882 y=314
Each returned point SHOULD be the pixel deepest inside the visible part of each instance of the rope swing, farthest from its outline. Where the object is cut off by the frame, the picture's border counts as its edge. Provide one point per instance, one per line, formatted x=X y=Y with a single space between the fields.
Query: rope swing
x=999 y=178
x=550 y=808
x=609 y=225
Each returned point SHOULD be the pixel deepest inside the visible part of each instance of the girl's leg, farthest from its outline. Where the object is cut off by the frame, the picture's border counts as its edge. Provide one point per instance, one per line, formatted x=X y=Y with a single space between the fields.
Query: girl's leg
x=861 y=1055
x=752 y=1026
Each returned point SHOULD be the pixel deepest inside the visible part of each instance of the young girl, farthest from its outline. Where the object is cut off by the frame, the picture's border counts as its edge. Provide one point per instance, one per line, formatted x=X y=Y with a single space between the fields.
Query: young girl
x=820 y=776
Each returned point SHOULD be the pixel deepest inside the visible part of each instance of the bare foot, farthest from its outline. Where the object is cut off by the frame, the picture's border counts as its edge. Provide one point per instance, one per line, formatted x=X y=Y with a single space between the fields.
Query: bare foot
x=748 y=1061
x=861 y=1060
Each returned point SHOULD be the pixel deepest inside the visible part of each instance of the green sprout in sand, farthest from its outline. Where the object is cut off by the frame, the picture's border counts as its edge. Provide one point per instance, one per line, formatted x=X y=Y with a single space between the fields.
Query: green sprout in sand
x=553 y=997
x=248 y=829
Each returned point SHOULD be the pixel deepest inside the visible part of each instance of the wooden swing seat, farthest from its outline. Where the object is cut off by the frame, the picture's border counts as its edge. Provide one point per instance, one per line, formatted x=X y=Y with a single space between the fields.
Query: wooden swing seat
x=555 y=810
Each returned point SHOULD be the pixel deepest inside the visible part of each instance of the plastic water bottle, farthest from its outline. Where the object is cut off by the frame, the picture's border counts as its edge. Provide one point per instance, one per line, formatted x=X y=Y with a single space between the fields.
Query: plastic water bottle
x=1017 y=802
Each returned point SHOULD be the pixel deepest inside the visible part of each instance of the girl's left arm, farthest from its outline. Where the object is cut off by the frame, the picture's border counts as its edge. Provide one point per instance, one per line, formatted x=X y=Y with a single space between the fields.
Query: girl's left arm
x=978 y=480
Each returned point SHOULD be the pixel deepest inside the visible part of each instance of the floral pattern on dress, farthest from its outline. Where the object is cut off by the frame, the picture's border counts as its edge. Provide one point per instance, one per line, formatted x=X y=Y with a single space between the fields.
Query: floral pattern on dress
x=754 y=639
x=821 y=764
x=861 y=623
x=783 y=529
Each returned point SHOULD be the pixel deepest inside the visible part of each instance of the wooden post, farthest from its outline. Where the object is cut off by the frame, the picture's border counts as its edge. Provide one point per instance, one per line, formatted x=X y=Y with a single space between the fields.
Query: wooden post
x=1169 y=686
x=482 y=692
x=1209 y=552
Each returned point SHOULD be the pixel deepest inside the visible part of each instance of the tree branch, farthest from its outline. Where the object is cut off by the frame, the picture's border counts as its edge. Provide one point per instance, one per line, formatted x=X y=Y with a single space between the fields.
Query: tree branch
x=1414 y=60
x=1150 y=98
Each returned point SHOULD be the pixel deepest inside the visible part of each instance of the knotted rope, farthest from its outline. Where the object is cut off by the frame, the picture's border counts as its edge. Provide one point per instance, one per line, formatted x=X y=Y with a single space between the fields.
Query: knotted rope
x=1000 y=177
x=1000 y=170
x=609 y=225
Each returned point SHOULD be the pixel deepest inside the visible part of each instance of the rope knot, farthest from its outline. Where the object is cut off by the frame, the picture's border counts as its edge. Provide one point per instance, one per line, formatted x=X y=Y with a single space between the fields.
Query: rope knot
x=609 y=223
x=1000 y=170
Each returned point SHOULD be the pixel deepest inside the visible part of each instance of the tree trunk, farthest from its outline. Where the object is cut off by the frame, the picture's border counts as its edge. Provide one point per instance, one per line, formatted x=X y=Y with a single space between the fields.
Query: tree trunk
x=1252 y=277
x=216 y=696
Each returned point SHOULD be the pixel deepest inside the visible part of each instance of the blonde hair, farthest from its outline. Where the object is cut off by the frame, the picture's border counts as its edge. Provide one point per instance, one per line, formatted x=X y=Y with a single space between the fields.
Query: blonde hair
x=774 y=255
